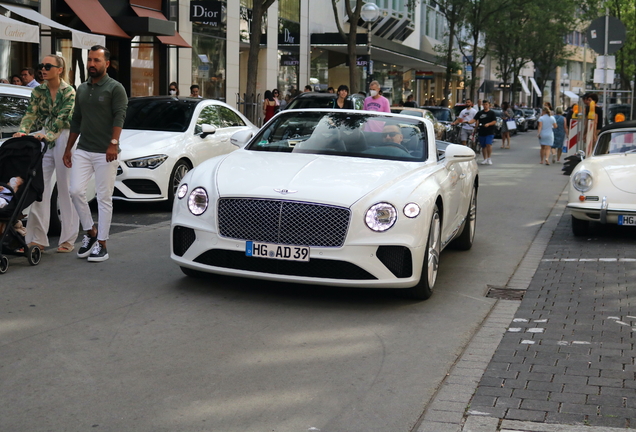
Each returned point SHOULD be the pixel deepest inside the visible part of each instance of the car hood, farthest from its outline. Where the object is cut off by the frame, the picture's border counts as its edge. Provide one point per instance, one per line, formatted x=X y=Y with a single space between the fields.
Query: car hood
x=334 y=180
x=621 y=169
x=146 y=141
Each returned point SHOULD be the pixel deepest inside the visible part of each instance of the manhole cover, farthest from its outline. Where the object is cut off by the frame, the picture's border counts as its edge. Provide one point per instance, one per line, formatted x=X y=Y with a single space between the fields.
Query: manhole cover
x=505 y=293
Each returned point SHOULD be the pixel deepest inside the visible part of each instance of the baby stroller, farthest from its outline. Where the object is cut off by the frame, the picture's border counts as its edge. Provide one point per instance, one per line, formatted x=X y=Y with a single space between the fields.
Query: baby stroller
x=19 y=157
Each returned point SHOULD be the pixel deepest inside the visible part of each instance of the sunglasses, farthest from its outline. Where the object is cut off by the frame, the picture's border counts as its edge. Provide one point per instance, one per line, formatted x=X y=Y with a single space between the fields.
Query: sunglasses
x=46 y=66
x=391 y=134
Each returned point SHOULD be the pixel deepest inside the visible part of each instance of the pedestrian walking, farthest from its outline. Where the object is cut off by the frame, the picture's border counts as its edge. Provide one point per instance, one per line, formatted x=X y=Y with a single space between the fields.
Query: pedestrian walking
x=195 y=91
x=546 y=135
x=49 y=115
x=507 y=114
x=269 y=106
x=100 y=110
x=173 y=89
x=486 y=121
x=559 y=135
x=342 y=102
x=376 y=102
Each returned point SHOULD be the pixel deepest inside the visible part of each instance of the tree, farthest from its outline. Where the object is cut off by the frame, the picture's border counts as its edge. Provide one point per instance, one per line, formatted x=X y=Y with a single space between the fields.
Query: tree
x=350 y=38
x=453 y=11
x=551 y=23
x=259 y=8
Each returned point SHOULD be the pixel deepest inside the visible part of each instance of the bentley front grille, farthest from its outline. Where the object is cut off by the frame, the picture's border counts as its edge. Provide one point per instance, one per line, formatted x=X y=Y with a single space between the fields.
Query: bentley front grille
x=283 y=222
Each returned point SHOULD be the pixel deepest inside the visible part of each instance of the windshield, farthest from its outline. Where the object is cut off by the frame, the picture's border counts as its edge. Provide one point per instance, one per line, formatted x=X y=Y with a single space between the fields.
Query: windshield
x=441 y=114
x=616 y=142
x=313 y=102
x=345 y=134
x=12 y=109
x=528 y=112
x=167 y=115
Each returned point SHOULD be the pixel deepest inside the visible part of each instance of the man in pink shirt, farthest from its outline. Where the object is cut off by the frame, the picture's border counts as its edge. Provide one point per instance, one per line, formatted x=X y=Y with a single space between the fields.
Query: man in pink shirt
x=376 y=102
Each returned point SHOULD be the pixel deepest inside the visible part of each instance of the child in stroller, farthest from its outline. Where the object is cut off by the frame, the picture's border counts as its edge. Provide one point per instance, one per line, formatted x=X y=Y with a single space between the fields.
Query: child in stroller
x=6 y=194
x=21 y=183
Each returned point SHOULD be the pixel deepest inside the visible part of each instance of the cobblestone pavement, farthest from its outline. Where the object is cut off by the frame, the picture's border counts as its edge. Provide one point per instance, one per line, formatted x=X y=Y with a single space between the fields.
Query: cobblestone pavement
x=568 y=356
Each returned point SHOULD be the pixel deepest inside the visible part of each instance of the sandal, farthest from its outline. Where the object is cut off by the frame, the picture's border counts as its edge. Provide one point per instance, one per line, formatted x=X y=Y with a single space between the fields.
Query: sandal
x=39 y=246
x=65 y=247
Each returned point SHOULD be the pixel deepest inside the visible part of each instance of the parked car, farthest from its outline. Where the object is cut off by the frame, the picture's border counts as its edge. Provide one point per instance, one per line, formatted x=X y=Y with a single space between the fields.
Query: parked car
x=323 y=100
x=440 y=129
x=13 y=104
x=520 y=119
x=446 y=116
x=320 y=197
x=602 y=187
x=531 y=117
x=499 y=123
x=164 y=137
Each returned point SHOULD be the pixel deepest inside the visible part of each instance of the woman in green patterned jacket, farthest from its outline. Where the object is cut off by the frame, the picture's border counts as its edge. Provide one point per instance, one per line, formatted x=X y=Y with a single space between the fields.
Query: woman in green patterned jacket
x=48 y=117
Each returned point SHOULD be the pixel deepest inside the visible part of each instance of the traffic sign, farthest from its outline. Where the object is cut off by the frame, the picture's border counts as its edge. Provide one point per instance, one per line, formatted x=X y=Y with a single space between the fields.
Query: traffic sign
x=596 y=35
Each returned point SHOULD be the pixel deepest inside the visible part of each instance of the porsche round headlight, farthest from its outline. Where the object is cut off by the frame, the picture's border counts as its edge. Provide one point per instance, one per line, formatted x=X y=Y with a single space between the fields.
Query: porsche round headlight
x=582 y=181
x=198 y=201
x=183 y=190
x=381 y=216
x=411 y=210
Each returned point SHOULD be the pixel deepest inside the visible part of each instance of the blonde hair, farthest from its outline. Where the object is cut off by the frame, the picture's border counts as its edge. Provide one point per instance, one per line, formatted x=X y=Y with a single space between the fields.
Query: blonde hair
x=62 y=64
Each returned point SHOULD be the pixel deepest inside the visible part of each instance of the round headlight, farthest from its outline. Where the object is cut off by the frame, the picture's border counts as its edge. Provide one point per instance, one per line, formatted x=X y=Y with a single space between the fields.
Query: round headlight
x=380 y=217
x=198 y=201
x=411 y=210
x=582 y=181
x=183 y=190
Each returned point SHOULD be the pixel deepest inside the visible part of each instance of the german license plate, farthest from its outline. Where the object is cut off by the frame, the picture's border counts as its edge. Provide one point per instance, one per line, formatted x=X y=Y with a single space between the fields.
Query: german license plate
x=626 y=220
x=275 y=251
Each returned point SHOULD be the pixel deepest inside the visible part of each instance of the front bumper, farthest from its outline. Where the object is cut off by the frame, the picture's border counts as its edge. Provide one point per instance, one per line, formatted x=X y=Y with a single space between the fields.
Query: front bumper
x=603 y=211
x=364 y=266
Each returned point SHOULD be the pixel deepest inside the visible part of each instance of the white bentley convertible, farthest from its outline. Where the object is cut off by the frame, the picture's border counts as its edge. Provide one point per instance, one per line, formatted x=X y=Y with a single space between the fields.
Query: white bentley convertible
x=345 y=198
x=603 y=186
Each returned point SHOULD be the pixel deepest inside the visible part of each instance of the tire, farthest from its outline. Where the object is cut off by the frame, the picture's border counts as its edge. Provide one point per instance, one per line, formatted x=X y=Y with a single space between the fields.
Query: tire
x=579 y=227
x=34 y=255
x=424 y=288
x=4 y=264
x=55 y=221
x=193 y=273
x=465 y=240
x=180 y=169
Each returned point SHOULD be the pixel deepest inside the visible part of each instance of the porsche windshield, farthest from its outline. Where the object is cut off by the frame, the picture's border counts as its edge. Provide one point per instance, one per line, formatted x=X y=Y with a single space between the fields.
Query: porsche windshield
x=616 y=142
x=364 y=135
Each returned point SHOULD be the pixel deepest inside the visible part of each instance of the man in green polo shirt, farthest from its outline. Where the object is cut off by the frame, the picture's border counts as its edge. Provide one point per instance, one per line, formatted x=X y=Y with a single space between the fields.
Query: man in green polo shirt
x=100 y=110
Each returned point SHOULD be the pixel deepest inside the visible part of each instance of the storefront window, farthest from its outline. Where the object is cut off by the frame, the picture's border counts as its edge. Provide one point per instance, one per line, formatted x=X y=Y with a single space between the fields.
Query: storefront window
x=208 y=66
x=143 y=70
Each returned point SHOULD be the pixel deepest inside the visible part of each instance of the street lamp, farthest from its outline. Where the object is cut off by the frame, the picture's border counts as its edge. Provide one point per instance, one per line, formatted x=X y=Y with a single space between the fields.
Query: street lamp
x=369 y=13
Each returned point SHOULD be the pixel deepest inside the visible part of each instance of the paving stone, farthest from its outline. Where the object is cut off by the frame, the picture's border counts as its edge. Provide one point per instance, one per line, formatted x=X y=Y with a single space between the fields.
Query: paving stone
x=508 y=402
x=519 y=414
x=493 y=391
x=606 y=421
x=542 y=385
x=430 y=426
x=444 y=416
x=536 y=405
x=571 y=398
x=578 y=409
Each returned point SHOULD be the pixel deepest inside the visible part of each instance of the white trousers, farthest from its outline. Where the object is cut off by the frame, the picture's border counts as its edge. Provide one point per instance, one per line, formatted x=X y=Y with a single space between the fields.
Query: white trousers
x=40 y=213
x=85 y=164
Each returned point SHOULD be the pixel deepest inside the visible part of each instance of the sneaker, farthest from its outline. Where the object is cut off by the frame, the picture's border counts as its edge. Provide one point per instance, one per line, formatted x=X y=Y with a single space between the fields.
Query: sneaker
x=98 y=253
x=489 y=161
x=87 y=245
x=484 y=162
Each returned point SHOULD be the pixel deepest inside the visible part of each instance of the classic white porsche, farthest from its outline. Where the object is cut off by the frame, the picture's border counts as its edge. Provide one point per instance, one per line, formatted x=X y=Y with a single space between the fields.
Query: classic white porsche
x=344 y=198
x=603 y=186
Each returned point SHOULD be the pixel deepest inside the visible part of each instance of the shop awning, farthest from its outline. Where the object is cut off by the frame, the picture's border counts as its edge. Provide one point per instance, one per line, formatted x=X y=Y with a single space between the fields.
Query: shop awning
x=526 y=90
x=93 y=14
x=13 y=30
x=161 y=22
x=573 y=96
x=535 y=86
x=81 y=40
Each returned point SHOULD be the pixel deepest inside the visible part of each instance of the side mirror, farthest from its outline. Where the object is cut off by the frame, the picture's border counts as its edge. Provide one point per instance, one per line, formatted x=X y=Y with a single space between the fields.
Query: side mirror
x=241 y=138
x=206 y=130
x=458 y=153
x=581 y=153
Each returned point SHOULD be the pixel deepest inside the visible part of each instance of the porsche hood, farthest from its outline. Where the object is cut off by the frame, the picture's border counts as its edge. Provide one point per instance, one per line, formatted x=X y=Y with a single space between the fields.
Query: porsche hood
x=331 y=180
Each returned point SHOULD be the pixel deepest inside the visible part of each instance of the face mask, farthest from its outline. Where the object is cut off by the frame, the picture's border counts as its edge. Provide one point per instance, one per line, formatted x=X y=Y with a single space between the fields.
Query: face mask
x=373 y=93
x=173 y=92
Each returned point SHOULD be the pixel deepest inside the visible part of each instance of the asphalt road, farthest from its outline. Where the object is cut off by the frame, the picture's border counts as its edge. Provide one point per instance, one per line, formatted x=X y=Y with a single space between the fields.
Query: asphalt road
x=132 y=344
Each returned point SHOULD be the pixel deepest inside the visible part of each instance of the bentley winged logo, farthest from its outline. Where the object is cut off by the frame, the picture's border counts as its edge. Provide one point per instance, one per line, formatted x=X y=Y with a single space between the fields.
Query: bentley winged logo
x=285 y=191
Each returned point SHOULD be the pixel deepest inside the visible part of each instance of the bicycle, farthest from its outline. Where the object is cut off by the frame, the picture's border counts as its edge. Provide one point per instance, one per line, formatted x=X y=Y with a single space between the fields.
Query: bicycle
x=473 y=142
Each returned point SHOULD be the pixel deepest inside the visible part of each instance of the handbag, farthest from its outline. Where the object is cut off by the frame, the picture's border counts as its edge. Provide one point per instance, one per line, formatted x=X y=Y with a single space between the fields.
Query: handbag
x=511 y=124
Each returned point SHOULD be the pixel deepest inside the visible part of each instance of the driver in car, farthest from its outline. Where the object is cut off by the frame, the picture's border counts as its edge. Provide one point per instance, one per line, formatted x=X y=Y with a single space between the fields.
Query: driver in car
x=392 y=136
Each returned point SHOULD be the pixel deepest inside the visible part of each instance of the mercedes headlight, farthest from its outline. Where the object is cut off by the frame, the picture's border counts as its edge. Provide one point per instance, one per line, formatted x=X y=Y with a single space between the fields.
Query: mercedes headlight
x=381 y=216
x=198 y=201
x=582 y=181
x=150 y=162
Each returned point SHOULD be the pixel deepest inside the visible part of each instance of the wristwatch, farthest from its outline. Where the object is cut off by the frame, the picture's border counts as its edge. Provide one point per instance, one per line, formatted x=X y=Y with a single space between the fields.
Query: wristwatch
x=114 y=142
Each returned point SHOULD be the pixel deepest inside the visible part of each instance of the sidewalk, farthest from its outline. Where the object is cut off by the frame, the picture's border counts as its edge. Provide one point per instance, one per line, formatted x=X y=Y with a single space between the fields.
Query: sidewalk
x=562 y=358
